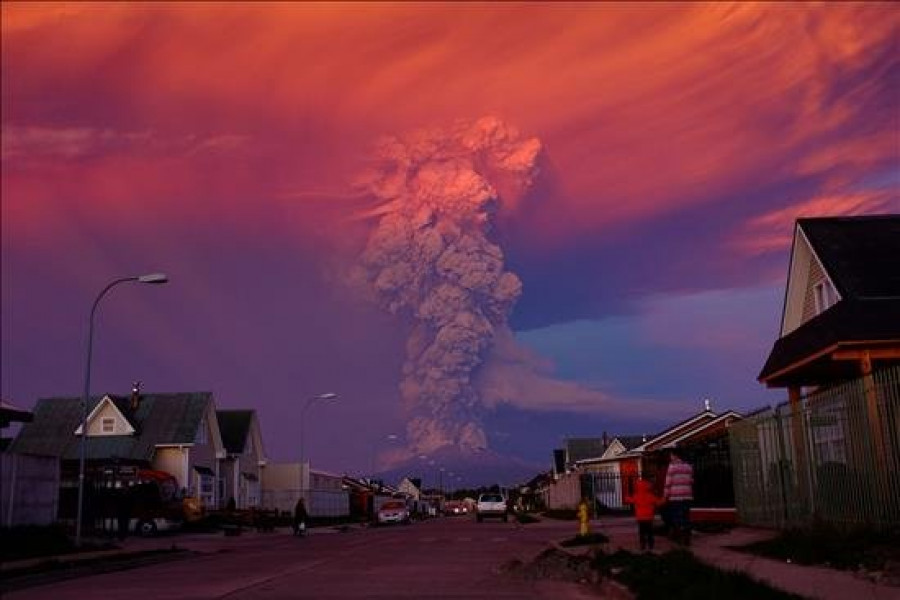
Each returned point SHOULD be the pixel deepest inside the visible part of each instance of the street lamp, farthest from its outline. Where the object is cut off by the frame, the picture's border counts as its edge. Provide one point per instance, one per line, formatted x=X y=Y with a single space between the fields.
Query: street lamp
x=327 y=397
x=154 y=278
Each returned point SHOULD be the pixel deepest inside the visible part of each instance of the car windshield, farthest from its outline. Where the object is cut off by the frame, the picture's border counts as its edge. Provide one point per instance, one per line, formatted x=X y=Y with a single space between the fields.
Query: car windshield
x=492 y=498
x=392 y=505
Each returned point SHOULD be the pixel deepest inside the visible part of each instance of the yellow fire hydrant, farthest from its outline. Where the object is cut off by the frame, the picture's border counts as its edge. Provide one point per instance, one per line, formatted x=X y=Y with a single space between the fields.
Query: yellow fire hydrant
x=584 y=524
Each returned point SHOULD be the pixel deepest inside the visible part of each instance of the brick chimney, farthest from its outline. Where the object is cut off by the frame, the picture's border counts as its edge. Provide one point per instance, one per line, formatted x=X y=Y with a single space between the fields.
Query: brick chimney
x=135 y=395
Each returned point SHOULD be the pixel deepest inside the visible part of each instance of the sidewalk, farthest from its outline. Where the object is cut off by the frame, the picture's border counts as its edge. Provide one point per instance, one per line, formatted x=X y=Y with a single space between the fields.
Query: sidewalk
x=714 y=549
x=201 y=543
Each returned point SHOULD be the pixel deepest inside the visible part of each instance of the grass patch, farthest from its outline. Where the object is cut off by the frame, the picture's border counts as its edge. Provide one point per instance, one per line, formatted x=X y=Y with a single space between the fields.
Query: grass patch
x=33 y=541
x=831 y=547
x=677 y=575
x=525 y=518
x=584 y=540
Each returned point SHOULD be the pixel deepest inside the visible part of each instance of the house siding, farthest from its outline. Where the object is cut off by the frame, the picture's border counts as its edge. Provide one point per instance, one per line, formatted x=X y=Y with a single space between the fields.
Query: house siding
x=816 y=276
x=120 y=427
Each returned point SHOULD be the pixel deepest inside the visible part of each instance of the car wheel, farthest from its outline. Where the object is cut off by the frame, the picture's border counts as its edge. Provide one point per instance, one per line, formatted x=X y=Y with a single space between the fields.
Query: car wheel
x=146 y=528
x=479 y=518
x=506 y=518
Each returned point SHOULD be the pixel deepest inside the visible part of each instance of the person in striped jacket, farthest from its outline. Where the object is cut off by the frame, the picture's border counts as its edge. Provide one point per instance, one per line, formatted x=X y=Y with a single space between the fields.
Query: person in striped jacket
x=679 y=495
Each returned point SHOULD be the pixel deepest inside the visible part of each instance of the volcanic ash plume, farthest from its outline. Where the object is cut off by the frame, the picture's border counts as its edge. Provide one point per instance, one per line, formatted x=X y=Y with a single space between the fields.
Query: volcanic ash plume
x=430 y=257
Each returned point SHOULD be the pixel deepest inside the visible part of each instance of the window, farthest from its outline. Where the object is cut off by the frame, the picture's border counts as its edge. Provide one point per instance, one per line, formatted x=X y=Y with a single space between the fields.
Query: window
x=206 y=485
x=825 y=296
x=108 y=425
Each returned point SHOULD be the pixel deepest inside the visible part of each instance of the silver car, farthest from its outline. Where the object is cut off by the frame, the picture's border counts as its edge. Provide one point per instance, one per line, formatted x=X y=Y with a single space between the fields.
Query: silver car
x=491 y=505
x=393 y=511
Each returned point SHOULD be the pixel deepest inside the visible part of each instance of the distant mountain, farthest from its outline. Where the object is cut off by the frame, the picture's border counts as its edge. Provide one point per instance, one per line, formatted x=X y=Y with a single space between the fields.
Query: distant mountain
x=474 y=468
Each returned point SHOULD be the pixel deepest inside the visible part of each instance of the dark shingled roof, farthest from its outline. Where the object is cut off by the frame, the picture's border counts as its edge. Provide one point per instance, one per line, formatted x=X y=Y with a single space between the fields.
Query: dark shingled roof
x=860 y=254
x=862 y=257
x=633 y=441
x=159 y=419
x=234 y=426
x=582 y=448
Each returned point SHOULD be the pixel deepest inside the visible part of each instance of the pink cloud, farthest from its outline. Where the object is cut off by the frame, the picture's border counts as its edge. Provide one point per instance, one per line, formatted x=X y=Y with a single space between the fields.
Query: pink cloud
x=638 y=121
x=773 y=231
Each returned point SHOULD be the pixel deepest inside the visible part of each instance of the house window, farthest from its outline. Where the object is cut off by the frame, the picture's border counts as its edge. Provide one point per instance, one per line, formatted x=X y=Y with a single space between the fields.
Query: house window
x=206 y=488
x=825 y=296
x=108 y=425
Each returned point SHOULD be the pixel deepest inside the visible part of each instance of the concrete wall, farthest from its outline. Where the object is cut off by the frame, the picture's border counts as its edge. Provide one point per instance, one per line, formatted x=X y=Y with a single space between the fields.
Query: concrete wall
x=324 y=494
x=29 y=489
x=565 y=493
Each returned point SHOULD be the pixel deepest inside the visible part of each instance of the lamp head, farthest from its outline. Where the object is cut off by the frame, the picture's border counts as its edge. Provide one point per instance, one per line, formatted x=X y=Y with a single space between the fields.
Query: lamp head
x=153 y=278
x=328 y=396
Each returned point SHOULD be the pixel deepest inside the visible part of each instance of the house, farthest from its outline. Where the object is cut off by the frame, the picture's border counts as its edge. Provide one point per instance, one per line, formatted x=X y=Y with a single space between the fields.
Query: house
x=29 y=483
x=703 y=439
x=838 y=356
x=411 y=487
x=242 y=468
x=175 y=433
x=841 y=320
x=841 y=315
x=614 y=472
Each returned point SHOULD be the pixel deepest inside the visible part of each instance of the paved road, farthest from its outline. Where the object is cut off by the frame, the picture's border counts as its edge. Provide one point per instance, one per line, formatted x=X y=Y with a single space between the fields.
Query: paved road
x=444 y=558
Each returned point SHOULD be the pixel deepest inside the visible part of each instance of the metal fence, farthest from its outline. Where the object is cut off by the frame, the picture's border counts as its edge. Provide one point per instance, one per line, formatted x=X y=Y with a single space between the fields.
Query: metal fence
x=319 y=503
x=834 y=457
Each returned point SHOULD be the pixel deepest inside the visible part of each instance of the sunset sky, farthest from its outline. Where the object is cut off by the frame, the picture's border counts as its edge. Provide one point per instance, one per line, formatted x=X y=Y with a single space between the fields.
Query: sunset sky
x=223 y=144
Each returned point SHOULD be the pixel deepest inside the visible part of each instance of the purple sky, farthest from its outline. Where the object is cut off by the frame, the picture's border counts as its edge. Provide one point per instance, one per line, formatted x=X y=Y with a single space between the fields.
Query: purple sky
x=221 y=144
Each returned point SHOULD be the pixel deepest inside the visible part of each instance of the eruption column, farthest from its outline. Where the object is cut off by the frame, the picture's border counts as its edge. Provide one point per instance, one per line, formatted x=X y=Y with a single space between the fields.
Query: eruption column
x=430 y=258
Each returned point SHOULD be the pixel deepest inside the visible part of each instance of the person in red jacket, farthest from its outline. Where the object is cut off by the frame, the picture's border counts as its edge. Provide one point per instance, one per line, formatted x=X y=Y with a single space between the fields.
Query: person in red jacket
x=645 y=503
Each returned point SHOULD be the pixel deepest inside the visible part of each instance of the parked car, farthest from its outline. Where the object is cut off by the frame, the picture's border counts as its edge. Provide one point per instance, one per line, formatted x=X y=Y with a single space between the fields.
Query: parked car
x=455 y=507
x=491 y=505
x=393 y=511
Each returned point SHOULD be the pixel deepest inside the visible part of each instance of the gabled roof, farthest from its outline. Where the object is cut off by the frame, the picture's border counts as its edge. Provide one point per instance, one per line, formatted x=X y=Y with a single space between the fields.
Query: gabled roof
x=720 y=421
x=861 y=257
x=689 y=425
x=860 y=254
x=234 y=425
x=119 y=409
x=159 y=419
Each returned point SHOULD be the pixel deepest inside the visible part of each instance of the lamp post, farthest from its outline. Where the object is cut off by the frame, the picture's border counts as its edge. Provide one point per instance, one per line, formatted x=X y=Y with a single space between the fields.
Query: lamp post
x=327 y=397
x=153 y=278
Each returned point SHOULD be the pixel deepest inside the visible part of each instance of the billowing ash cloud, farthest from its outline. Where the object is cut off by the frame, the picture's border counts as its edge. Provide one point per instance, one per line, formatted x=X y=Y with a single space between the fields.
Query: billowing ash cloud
x=430 y=257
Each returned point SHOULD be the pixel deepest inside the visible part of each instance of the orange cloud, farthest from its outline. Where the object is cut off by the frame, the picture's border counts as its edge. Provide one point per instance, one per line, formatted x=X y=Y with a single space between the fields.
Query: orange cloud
x=643 y=109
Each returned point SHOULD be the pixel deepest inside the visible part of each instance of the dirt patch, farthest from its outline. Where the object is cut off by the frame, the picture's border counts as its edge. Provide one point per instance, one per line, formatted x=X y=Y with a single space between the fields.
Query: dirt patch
x=553 y=564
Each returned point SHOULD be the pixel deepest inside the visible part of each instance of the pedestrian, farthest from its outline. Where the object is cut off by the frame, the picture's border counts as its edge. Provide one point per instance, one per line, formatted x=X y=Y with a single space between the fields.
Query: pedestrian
x=300 y=517
x=679 y=495
x=645 y=503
